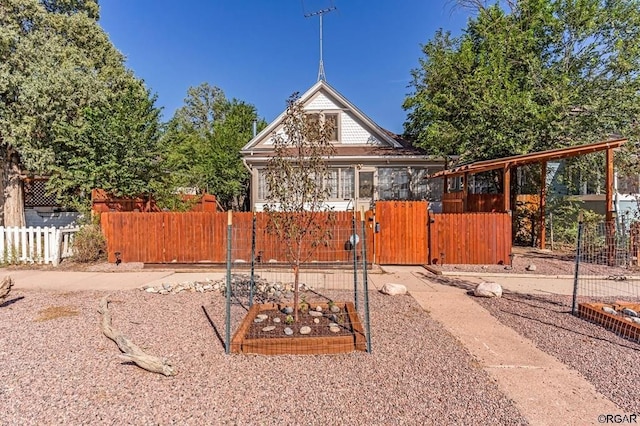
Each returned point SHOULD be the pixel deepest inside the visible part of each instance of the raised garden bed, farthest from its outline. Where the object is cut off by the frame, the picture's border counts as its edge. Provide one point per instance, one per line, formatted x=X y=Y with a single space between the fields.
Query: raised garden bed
x=347 y=334
x=618 y=323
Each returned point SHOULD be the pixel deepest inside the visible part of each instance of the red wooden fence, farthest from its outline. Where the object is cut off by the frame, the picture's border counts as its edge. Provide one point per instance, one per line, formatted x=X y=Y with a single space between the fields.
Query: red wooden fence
x=408 y=236
x=453 y=202
x=195 y=237
x=471 y=238
x=403 y=232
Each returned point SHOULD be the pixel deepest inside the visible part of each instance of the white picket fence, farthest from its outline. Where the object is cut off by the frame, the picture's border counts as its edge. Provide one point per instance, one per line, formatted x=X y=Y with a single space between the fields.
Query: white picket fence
x=35 y=245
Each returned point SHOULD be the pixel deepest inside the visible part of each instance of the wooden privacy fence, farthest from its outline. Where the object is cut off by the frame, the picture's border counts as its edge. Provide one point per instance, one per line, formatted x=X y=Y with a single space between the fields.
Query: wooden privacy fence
x=201 y=237
x=473 y=238
x=35 y=245
x=402 y=239
x=408 y=235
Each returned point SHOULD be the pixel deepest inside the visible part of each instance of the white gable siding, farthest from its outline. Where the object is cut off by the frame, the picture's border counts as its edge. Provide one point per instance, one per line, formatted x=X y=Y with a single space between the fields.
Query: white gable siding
x=354 y=133
x=321 y=102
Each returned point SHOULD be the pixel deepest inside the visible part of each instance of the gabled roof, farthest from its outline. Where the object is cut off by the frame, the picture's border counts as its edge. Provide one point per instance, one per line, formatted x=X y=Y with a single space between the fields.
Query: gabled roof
x=387 y=138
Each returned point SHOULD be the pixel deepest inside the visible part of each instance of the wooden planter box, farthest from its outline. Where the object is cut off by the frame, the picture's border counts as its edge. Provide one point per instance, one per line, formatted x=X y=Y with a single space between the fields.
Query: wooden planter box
x=593 y=312
x=299 y=345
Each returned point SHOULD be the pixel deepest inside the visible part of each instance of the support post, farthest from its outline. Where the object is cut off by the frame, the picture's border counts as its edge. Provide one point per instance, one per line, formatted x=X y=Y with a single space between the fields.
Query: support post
x=253 y=259
x=610 y=226
x=543 y=203
x=577 y=265
x=365 y=282
x=354 y=241
x=228 y=312
x=465 y=192
x=506 y=190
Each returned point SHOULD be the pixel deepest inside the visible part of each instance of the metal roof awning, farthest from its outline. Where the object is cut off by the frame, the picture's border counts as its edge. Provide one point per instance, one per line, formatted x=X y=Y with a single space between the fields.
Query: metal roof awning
x=534 y=157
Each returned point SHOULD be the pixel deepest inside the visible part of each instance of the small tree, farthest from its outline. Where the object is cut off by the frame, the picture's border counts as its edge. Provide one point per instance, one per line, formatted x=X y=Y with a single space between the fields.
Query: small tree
x=295 y=179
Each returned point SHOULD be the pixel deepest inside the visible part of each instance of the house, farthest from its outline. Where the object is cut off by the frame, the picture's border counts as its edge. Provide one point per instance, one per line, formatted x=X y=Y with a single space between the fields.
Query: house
x=369 y=163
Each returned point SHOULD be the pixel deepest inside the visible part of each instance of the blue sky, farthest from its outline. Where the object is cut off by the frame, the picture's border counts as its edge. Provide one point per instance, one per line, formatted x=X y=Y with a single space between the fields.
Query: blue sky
x=261 y=51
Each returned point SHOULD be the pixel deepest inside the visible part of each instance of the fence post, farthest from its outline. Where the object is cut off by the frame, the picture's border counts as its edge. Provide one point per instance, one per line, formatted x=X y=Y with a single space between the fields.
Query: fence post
x=365 y=282
x=577 y=265
x=57 y=249
x=228 y=313
x=354 y=241
x=253 y=257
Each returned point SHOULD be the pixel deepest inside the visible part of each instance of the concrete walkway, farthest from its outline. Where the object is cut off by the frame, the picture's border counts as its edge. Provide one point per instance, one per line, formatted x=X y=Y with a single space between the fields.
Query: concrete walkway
x=546 y=391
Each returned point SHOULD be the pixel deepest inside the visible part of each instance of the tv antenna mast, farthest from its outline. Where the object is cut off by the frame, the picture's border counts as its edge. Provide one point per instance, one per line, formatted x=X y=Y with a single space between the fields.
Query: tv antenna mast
x=320 y=13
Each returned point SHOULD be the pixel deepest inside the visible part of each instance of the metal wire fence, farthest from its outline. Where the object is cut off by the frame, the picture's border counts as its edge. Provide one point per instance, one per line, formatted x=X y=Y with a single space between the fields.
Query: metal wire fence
x=607 y=278
x=332 y=311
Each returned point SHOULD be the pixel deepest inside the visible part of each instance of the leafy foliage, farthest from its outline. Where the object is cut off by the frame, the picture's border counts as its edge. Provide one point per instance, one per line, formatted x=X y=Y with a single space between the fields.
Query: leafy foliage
x=540 y=75
x=89 y=244
x=60 y=76
x=202 y=142
x=296 y=200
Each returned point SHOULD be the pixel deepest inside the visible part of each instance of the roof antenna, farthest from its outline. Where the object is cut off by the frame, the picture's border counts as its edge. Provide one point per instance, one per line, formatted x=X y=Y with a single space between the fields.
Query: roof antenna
x=320 y=13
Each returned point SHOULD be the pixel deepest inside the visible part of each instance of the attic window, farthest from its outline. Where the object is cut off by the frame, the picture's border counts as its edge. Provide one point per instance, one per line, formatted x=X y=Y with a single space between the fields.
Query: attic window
x=330 y=119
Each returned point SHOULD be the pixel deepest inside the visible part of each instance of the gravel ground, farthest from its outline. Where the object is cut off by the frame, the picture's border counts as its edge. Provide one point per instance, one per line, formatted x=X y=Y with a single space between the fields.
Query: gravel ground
x=609 y=362
x=58 y=368
x=546 y=263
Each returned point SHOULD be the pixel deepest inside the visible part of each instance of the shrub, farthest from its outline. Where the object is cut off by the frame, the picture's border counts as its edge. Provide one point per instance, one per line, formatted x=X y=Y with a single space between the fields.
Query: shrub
x=89 y=244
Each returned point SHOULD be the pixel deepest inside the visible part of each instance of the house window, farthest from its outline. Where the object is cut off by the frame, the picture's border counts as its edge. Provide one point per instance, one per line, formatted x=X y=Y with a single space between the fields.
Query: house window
x=402 y=183
x=365 y=185
x=330 y=120
x=340 y=183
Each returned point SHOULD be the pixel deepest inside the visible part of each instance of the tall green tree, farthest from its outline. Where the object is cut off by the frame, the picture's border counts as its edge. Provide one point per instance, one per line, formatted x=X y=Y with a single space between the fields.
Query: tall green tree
x=58 y=68
x=202 y=142
x=534 y=75
x=114 y=148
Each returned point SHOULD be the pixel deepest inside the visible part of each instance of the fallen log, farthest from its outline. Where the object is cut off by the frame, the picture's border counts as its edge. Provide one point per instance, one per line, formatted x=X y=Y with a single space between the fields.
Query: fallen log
x=5 y=287
x=130 y=351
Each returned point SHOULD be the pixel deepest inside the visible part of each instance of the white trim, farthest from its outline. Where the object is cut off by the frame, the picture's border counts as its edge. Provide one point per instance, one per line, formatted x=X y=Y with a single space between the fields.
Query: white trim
x=322 y=85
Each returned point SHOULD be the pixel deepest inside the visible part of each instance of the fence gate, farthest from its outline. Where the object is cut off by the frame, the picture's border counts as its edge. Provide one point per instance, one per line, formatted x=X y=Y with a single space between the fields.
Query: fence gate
x=402 y=239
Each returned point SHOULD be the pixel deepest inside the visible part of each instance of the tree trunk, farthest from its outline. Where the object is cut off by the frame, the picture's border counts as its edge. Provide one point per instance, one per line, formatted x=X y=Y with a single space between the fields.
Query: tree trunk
x=12 y=211
x=131 y=352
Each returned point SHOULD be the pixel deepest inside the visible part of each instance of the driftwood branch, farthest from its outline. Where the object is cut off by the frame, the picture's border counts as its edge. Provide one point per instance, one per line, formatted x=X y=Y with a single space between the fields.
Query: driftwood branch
x=132 y=352
x=5 y=287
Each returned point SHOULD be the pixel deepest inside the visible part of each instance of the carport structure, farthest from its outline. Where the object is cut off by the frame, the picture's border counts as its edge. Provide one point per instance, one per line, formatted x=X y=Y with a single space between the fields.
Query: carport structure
x=507 y=164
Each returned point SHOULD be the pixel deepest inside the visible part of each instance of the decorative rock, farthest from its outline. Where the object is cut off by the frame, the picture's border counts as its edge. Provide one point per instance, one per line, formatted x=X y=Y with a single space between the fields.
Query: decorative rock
x=335 y=309
x=288 y=331
x=333 y=317
x=319 y=308
x=488 y=289
x=305 y=329
x=394 y=289
x=167 y=286
x=333 y=324
x=288 y=310
x=531 y=267
x=635 y=319
x=262 y=316
x=315 y=313
x=316 y=320
x=151 y=290
x=163 y=291
x=630 y=312
x=258 y=320
x=609 y=310
x=276 y=320
x=269 y=328
x=334 y=329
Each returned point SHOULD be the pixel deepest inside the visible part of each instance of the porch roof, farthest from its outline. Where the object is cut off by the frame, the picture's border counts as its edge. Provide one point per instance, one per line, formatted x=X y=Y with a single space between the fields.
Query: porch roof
x=534 y=157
